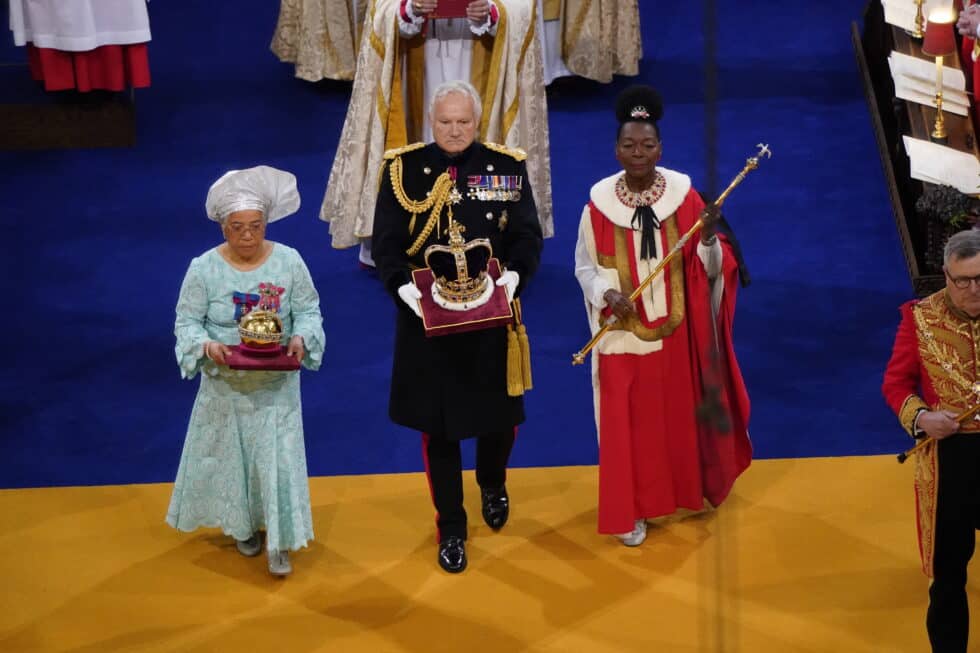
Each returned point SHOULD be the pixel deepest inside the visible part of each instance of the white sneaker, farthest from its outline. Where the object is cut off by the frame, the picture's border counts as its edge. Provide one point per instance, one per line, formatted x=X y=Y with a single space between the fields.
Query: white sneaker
x=250 y=547
x=279 y=563
x=637 y=535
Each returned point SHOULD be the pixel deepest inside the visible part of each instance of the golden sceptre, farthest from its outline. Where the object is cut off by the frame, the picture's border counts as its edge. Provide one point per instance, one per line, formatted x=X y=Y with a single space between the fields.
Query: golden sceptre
x=750 y=164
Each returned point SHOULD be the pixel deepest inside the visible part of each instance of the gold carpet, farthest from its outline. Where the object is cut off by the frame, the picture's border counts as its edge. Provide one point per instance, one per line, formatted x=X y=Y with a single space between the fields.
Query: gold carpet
x=807 y=555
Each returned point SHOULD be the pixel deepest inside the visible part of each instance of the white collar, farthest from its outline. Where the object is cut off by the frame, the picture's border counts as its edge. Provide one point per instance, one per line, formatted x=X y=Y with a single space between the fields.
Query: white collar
x=603 y=195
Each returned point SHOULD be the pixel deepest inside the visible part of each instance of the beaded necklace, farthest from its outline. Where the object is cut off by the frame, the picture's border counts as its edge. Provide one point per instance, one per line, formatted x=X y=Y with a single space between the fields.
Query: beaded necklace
x=646 y=197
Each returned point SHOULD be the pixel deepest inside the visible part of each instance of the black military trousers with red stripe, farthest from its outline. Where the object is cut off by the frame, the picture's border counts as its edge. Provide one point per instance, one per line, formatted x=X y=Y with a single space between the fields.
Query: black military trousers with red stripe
x=444 y=468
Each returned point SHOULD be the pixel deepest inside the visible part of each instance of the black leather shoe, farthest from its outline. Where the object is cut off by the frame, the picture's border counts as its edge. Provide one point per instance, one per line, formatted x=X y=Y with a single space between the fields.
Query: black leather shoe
x=496 y=507
x=452 y=554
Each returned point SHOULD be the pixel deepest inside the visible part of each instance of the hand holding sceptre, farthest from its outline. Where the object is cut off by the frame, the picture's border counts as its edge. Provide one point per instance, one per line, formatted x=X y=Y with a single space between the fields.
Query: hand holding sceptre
x=921 y=444
x=750 y=164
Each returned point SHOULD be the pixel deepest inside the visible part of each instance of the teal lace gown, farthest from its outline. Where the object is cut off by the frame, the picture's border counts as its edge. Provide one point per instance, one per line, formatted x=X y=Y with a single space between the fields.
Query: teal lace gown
x=243 y=467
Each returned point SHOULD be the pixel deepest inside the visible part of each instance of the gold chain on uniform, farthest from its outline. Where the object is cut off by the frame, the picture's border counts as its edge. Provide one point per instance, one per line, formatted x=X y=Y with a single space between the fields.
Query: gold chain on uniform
x=436 y=200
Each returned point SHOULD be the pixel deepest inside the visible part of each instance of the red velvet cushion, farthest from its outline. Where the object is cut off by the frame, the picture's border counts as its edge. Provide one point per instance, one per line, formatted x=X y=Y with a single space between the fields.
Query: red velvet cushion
x=439 y=321
x=279 y=361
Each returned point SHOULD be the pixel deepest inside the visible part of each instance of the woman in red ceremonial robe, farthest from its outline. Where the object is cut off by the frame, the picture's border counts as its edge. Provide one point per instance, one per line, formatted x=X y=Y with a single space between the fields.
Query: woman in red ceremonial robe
x=657 y=365
x=84 y=45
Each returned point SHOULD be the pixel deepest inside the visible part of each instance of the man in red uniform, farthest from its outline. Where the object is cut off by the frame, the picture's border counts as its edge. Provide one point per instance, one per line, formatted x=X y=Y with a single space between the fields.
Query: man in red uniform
x=933 y=376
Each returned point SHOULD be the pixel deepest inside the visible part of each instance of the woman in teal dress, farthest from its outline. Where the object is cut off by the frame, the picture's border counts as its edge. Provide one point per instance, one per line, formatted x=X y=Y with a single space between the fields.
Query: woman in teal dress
x=243 y=467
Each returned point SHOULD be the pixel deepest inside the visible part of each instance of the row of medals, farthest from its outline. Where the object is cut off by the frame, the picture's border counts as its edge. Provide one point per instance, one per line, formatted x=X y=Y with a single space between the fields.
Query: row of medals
x=485 y=195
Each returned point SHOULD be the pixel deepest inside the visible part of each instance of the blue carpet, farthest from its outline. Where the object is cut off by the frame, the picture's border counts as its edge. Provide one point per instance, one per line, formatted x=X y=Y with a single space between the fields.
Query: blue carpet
x=97 y=241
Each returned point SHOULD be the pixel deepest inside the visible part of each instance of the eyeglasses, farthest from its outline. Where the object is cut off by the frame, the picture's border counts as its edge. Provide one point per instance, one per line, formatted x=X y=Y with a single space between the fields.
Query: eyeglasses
x=238 y=228
x=963 y=282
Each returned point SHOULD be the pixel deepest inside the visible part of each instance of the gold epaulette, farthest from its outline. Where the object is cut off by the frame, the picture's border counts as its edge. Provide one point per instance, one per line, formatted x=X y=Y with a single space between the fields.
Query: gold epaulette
x=398 y=151
x=515 y=152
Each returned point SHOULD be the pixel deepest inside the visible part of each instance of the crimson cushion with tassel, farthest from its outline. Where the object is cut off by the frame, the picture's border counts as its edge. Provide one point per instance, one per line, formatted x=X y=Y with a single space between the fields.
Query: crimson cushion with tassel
x=441 y=321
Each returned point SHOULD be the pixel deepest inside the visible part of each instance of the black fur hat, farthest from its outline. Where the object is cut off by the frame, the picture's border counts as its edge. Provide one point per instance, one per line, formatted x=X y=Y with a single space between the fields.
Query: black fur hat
x=639 y=103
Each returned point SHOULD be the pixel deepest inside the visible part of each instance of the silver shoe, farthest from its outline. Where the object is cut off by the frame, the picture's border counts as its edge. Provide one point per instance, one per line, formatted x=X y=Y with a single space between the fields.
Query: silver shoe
x=279 y=563
x=637 y=535
x=250 y=547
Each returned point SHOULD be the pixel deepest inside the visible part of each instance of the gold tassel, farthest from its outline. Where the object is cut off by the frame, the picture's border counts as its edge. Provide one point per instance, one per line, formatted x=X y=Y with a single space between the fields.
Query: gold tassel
x=515 y=377
x=525 y=346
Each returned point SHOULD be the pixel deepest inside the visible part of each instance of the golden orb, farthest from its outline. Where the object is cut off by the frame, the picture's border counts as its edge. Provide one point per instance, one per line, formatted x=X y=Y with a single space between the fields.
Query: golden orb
x=260 y=329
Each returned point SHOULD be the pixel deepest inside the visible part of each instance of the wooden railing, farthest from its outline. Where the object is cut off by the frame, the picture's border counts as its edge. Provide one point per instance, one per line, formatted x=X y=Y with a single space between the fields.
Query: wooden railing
x=892 y=118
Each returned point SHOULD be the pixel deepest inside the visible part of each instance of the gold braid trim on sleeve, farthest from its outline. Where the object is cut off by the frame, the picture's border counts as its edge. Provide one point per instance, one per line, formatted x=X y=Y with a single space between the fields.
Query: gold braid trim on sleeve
x=910 y=408
x=436 y=200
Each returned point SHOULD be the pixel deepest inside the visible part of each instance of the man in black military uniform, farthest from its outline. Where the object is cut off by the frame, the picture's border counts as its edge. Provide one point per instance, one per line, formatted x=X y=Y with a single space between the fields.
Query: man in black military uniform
x=454 y=386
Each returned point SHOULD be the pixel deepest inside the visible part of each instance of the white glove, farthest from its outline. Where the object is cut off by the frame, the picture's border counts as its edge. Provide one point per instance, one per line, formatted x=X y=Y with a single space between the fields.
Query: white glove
x=510 y=279
x=410 y=294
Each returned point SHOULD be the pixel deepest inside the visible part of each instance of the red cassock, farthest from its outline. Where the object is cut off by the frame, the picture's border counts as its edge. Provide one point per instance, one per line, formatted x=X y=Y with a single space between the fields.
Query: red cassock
x=107 y=68
x=655 y=455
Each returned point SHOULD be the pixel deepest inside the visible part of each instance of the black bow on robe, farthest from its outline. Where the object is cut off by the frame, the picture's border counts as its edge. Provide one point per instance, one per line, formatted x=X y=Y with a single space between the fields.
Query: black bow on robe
x=646 y=222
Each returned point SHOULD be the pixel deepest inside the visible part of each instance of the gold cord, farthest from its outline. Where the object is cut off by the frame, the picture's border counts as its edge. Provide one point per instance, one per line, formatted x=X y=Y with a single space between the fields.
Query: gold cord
x=436 y=200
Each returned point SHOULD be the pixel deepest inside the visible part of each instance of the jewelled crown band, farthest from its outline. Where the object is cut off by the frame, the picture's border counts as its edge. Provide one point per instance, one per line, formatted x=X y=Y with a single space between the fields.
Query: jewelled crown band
x=464 y=288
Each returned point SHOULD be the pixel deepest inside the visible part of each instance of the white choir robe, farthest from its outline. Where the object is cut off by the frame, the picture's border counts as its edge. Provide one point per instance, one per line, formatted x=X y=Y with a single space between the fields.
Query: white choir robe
x=79 y=25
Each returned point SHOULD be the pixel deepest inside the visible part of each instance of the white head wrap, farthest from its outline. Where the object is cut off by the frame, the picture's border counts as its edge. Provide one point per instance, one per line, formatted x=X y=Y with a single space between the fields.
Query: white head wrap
x=262 y=188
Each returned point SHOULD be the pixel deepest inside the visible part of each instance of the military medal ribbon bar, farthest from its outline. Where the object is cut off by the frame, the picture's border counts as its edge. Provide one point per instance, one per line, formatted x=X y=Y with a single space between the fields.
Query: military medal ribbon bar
x=494 y=188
